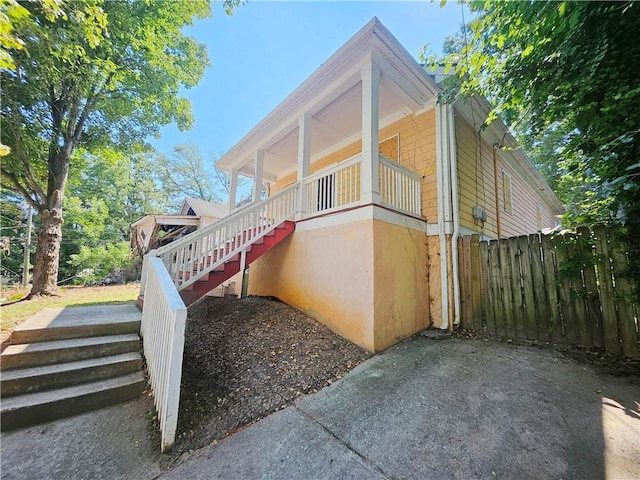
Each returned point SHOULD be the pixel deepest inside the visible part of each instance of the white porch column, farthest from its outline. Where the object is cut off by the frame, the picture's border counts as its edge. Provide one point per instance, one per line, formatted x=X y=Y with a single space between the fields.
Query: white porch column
x=257 y=175
x=304 y=160
x=370 y=124
x=233 y=187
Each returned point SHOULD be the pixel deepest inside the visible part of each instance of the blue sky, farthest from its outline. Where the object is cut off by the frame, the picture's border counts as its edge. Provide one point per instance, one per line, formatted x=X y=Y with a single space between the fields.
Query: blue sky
x=264 y=50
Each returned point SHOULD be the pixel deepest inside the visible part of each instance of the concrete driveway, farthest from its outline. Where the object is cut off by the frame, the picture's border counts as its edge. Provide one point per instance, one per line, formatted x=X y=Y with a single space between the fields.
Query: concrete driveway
x=445 y=409
x=424 y=409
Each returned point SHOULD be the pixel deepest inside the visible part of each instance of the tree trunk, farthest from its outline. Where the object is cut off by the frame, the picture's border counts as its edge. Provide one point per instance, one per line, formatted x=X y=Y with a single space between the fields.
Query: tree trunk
x=47 y=261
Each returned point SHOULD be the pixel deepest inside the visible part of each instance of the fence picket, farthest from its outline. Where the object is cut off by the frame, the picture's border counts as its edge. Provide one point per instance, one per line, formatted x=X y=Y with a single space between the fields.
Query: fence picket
x=516 y=287
x=467 y=293
x=564 y=291
x=488 y=306
x=611 y=342
x=539 y=289
x=462 y=274
x=592 y=298
x=496 y=290
x=578 y=292
x=527 y=288
x=507 y=289
x=551 y=284
x=476 y=294
x=624 y=300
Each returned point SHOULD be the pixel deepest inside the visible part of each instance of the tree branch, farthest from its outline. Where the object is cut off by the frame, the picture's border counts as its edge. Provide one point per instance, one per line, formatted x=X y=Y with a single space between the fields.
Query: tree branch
x=15 y=187
x=88 y=106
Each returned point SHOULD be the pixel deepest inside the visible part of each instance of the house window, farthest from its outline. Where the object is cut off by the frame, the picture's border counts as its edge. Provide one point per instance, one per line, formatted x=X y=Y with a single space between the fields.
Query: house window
x=506 y=192
x=390 y=148
x=539 y=217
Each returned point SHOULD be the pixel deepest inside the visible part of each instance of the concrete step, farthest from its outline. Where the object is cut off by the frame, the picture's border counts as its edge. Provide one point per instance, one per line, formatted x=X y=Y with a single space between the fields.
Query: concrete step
x=33 y=408
x=47 y=377
x=59 y=351
x=77 y=322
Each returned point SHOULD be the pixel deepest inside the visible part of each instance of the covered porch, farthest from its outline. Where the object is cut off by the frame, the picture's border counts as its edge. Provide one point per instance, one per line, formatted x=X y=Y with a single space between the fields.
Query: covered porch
x=326 y=136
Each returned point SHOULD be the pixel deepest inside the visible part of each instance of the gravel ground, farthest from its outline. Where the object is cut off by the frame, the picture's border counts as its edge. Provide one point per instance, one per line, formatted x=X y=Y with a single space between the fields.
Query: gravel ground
x=246 y=358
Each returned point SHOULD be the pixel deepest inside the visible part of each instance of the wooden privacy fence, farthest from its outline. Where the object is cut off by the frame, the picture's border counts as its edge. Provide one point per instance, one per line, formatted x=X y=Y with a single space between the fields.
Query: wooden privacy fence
x=571 y=289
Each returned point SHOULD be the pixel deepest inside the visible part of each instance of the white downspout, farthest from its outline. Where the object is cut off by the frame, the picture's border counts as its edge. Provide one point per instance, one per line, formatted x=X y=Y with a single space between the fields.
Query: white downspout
x=456 y=212
x=441 y=174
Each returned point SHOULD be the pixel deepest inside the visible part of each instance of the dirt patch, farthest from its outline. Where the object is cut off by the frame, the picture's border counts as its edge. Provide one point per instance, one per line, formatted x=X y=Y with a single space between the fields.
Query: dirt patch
x=246 y=358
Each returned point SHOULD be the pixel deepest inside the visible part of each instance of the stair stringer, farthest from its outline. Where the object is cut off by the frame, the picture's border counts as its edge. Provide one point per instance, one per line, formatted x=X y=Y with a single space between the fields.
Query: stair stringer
x=203 y=285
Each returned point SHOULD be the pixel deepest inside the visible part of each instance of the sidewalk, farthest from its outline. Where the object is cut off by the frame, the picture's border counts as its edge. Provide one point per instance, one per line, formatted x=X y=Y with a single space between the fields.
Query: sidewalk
x=424 y=409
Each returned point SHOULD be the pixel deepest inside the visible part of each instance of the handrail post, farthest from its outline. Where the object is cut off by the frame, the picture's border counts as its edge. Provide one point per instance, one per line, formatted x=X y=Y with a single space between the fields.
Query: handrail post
x=145 y=270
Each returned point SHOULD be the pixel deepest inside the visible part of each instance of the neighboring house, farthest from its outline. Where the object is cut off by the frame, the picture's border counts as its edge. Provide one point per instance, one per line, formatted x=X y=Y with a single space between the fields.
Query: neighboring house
x=380 y=179
x=154 y=231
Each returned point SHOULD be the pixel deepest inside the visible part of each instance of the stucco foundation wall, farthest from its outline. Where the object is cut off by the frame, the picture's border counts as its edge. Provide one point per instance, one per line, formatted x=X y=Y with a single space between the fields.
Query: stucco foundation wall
x=400 y=283
x=327 y=273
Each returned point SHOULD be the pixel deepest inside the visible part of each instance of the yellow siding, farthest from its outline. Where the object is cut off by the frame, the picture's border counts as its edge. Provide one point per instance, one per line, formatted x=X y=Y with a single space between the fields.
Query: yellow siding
x=417 y=138
x=418 y=153
x=476 y=187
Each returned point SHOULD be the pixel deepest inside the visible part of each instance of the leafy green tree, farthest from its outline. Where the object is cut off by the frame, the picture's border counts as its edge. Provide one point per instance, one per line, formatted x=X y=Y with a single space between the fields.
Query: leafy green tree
x=567 y=72
x=105 y=194
x=183 y=173
x=96 y=263
x=101 y=73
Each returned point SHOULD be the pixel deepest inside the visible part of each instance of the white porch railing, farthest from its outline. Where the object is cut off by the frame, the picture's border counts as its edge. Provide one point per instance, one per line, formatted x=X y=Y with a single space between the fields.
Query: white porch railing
x=399 y=187
x=339 y=186
x=162 y=331
x=333 y=188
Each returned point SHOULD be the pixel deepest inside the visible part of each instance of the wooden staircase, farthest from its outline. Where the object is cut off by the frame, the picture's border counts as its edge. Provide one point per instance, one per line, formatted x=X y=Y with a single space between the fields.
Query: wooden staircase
x=65 y=361
x=228 y=269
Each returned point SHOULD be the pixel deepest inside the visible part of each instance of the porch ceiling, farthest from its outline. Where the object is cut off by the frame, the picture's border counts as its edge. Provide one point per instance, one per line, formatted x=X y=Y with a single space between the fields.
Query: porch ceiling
x=337 y=124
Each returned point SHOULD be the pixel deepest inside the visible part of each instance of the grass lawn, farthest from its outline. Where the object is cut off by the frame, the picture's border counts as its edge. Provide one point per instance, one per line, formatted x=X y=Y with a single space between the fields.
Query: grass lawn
x=15 y=314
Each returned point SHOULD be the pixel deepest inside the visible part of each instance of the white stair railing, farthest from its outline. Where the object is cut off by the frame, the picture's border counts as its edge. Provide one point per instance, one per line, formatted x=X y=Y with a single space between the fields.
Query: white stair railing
x=399 y=187
x=192 y=257
x=162 y=330
x=179 y=264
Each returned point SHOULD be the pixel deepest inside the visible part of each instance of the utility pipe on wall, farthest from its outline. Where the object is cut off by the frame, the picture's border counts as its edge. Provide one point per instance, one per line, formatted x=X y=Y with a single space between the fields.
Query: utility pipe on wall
x=455 y=204
x=442 y=147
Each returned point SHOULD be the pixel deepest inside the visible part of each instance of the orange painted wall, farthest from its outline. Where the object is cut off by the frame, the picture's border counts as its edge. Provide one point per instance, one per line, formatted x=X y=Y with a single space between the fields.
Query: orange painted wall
x=400 y=283
x=327 y=273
